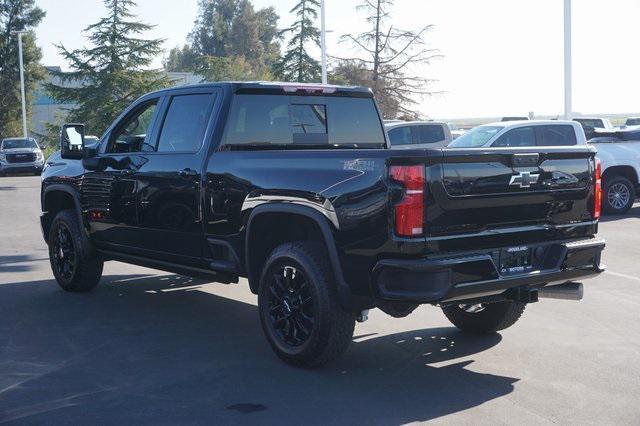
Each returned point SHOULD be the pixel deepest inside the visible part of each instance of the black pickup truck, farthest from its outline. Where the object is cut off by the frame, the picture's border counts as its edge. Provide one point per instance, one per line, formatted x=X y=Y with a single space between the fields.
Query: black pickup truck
x=294 y=188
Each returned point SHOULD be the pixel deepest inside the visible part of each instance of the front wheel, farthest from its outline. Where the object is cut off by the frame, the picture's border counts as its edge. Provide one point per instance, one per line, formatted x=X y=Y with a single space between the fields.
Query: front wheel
x=484 y=318
x=619 y=195
x=298 y=304
x=73 y=262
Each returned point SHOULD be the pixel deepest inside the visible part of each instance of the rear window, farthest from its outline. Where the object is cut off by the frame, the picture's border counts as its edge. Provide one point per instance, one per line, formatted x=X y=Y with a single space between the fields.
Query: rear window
x=313 y=120
x=557 y=136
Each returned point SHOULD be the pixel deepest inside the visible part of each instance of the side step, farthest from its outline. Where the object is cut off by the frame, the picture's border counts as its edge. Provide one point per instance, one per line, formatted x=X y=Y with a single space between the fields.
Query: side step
x=566 y=291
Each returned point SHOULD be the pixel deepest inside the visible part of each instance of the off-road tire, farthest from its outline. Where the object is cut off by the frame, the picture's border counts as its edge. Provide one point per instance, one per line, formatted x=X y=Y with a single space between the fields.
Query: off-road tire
x=494 y=317
x=87 y=266
x=609 y=185
x=333 y=326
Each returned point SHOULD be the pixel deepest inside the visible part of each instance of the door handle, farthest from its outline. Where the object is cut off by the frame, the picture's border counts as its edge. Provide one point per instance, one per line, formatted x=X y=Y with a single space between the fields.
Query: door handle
x=188 y=173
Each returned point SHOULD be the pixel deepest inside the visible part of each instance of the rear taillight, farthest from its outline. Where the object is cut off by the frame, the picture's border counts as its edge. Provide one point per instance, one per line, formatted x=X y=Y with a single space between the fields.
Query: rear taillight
x=409 y=212
x=597 y=191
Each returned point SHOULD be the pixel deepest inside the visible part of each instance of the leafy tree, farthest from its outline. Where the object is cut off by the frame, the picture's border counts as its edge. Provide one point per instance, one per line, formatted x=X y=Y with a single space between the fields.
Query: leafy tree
x=230 y=68
x=112 y=72
x=297 y=64
x=17 y=15
x=229 y=32
x=180 y=59
x=389 y=53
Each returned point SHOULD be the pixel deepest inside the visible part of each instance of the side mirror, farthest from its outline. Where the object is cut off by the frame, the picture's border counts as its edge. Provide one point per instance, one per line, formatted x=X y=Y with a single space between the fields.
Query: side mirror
x=72 y=141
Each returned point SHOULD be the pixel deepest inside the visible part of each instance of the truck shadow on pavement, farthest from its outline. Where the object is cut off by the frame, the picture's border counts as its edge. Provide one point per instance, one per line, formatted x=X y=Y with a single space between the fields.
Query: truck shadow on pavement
x=149 y=349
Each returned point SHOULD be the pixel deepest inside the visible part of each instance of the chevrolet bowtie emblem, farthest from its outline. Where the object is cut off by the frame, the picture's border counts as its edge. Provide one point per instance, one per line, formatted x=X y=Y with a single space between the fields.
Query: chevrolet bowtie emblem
x=524 y=179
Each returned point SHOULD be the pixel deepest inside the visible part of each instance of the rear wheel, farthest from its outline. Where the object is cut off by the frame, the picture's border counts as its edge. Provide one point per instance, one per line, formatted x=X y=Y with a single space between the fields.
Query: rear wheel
x=299 y=310
x=74 y=264
x=619 y=195
x=484 y=318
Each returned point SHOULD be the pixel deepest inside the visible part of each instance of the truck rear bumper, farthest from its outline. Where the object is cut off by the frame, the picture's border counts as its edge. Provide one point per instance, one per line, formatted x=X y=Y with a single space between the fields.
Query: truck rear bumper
x=471 y=276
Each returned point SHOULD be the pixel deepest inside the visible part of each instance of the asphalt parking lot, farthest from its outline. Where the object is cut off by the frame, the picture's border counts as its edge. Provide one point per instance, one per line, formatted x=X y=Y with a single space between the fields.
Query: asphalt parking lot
x=151 y=347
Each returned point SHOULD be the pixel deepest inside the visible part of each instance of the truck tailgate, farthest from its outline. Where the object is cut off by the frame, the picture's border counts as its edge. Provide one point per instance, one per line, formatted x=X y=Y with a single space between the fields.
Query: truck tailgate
x=484 y=190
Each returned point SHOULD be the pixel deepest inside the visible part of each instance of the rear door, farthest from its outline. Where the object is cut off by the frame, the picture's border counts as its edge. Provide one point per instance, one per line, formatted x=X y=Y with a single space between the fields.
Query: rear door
x=168 y=183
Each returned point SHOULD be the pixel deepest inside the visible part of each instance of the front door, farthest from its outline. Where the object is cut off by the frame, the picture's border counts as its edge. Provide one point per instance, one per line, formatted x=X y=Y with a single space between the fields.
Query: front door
x=109 y=190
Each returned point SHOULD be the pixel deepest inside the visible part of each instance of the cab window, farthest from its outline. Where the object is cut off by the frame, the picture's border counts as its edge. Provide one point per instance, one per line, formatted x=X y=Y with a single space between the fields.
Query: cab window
x=185 y=123
x=557 y=135
x=133 y=133
x=519 y=137
x=400 y=136
x=429 y=134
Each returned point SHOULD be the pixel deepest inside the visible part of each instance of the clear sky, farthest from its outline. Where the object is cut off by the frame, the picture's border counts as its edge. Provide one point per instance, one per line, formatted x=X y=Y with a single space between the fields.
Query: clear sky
x=501 y=57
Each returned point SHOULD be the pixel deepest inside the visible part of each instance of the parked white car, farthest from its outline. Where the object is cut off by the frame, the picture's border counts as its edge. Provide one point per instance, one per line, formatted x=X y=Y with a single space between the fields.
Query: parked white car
x=619 y=154
x=522 y=134
x=418 y=134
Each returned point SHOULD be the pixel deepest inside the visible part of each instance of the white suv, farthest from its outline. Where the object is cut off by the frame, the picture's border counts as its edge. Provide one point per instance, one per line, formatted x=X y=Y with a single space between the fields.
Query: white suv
x=20 y=155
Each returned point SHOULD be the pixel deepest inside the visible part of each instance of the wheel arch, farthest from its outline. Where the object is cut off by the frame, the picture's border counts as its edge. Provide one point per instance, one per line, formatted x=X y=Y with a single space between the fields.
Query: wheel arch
x=283 y=222
x=628 y=172
x=56 y=198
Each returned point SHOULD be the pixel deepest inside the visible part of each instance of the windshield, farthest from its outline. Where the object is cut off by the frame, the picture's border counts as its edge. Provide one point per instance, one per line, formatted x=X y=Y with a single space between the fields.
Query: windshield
x=18 y=143
x=476 y=137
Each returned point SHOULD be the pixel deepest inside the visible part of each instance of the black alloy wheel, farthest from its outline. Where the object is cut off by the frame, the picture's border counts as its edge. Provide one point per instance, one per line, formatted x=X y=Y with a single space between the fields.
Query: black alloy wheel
x=64 y=253
x=291 y=307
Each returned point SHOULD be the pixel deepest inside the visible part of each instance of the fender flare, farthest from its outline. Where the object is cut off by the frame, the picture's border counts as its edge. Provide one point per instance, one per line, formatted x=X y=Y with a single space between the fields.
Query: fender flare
x=74 y=196
x=344 y=291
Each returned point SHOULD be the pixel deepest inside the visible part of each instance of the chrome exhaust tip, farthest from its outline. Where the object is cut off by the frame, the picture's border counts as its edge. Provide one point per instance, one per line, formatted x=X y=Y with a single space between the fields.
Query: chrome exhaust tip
x=566 y=291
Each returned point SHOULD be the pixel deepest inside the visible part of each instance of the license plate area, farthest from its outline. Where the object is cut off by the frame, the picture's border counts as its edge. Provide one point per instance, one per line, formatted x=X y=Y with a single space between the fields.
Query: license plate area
x=516 y=260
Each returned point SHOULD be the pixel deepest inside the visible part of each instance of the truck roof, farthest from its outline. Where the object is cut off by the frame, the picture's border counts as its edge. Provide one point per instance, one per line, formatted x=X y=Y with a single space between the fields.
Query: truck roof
x=277 y=87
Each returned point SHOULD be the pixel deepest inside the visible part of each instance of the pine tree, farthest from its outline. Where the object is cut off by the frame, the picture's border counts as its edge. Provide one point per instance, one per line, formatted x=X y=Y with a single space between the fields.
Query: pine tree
x=17 y=15
x=297 y=64
x=113 y=72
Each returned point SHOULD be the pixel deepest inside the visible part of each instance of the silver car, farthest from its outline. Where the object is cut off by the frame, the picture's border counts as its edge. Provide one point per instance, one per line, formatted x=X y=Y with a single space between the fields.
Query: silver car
x=20 y=155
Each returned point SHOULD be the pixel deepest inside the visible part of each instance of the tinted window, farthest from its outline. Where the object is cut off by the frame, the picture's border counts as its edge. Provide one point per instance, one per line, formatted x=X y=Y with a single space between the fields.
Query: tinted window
x=185 y=123
x=132 y=134
x=429 y=134
x=522 y=136
x=280 y=119
x=633 y=122
x=400 y=136
x=588 y=122
x=557 y=136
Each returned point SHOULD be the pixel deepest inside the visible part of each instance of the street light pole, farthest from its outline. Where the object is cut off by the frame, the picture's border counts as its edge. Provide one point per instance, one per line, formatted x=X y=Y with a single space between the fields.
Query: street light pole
x=568 y=87
x=22 y=90
x=323 y=42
